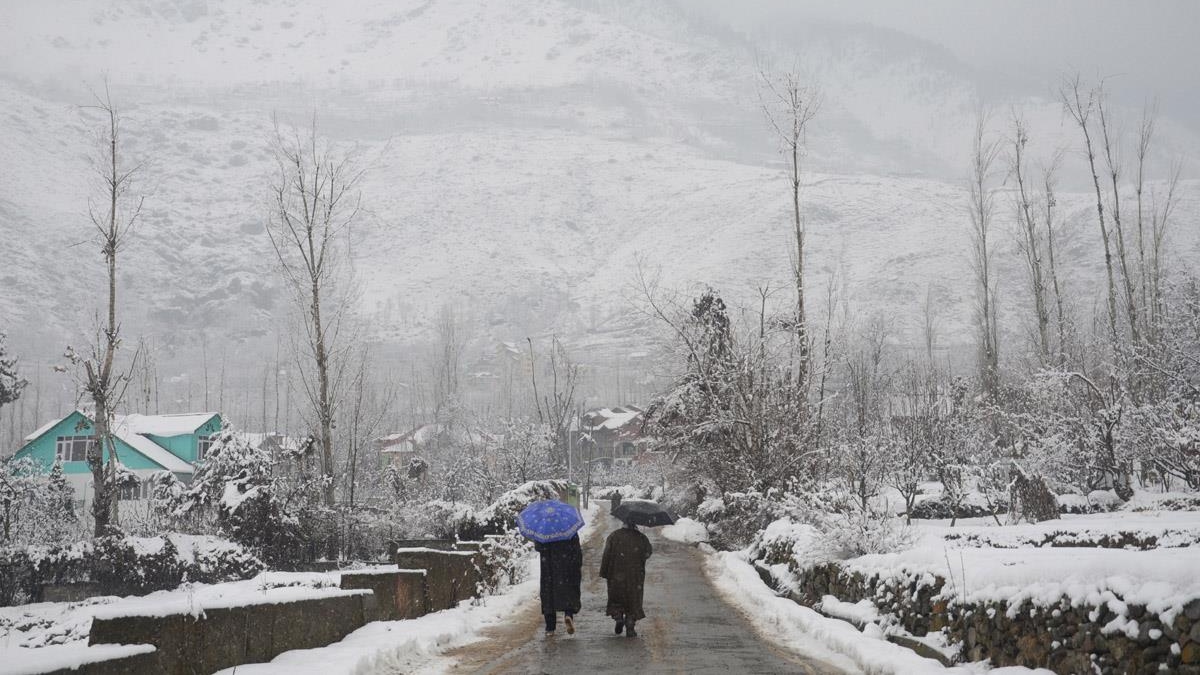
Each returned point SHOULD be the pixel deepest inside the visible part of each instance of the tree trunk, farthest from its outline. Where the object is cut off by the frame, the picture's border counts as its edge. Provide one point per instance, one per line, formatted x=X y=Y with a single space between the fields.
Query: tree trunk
x=324 y=406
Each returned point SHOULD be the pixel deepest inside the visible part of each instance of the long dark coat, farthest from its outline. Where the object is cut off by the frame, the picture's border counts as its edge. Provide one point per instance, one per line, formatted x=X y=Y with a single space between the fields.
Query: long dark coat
x=624 y=566
x=562 y=572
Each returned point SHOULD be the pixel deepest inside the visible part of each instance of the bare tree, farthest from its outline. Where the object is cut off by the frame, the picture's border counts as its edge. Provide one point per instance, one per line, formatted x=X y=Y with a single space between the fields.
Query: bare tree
x=113 y=216
x=556 y=407
x=982 y=194
x=371 y=404
x=1053 y=228
x=1150 y=235
x=789 y=106
x=448 y=361
x=1080 y=106
x=1112 y=162
x=930 y=317
x=1029 y=239
x=314 y=202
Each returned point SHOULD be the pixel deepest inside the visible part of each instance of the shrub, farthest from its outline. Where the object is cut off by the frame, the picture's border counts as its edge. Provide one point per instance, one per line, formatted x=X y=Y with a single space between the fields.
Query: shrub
x=939 y=508
x=503 y=562
x=501 y=515
x=123 y=565
x=734 y=519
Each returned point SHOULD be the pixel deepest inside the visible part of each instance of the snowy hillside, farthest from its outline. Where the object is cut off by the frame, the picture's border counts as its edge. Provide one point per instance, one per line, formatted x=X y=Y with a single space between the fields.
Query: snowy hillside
x=519 y=158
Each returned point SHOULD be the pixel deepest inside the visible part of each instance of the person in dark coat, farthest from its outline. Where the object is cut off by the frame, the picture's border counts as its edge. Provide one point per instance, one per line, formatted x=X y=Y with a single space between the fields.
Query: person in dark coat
x=562 y=572
x=624 y=566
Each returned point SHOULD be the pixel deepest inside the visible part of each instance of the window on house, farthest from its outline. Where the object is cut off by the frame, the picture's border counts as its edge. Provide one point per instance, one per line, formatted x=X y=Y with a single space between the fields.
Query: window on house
x=627 y=449
x=141 y=490
x=203 y=443
x=73 y=448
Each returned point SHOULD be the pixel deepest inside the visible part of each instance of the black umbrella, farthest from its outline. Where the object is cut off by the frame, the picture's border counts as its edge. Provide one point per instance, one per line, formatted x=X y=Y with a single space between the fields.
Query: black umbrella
x=643 y=513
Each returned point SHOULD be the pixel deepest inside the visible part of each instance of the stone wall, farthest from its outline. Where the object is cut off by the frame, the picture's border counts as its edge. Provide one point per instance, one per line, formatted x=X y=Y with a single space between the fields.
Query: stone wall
x=1064 y=637
x=398 y=595
x=451 y=576
x=428 y=580
x=225 y=637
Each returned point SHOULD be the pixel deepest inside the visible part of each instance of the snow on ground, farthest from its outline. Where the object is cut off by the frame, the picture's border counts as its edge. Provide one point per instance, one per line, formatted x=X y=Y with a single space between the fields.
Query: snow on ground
x=1042 y=562
x=1162 y=579
x=803 y=630
x=412 y=645
x=1169 y=528
x=861 y=612
x=401 y=646
x=38 y=626
x=62 y=657
x=685 y=530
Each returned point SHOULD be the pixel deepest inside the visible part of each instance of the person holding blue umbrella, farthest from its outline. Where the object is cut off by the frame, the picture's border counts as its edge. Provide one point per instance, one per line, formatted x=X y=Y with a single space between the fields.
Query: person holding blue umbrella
x=553 y=527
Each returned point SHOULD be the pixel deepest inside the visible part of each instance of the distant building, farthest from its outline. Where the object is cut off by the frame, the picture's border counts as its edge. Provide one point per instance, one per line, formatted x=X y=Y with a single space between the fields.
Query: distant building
x=145 y=444
x=398 y=449
x=278 y=445
x=613 y=433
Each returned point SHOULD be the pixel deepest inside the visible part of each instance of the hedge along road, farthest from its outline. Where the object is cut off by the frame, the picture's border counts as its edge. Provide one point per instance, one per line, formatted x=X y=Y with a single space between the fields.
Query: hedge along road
x=688 y=628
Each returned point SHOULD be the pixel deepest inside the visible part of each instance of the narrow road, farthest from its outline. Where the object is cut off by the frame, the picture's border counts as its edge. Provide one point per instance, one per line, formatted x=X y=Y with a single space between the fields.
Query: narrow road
x=688 y=629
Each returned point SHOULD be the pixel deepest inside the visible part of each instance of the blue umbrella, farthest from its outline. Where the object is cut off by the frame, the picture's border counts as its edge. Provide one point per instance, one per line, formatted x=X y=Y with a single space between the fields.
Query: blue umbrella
x=548 y=521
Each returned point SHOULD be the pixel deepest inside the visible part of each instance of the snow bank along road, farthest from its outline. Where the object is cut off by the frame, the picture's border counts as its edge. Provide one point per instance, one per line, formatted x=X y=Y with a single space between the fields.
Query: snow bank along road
x=688 y=629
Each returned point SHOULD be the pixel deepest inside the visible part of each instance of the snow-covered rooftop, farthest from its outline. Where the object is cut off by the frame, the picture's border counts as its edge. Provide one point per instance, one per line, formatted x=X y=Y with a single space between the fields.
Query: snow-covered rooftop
x=163 y=425
x=152 y=450
x=43 y=429
x=612 y=418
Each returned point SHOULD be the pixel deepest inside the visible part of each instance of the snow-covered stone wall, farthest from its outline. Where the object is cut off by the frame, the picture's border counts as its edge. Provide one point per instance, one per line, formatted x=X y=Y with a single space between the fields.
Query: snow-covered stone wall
x=1103 y=634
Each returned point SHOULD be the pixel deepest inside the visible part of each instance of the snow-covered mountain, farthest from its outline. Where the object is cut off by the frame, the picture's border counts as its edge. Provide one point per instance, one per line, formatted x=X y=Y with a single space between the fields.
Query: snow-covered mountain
x=520 y=157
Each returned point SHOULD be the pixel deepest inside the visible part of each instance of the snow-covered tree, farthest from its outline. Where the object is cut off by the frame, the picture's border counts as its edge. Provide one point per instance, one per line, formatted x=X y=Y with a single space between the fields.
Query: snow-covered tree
x=736 y=415
x=60 y=504
x=231 y=464
x=20 y=489
x=11 y=383
x=523 y=452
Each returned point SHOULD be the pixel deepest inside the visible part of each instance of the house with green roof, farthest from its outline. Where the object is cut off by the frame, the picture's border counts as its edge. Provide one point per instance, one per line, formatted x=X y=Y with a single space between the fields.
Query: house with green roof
x=145 y=444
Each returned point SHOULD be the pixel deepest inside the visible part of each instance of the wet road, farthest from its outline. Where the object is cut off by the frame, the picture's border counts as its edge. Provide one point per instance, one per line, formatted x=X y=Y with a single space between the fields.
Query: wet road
x=688 y=629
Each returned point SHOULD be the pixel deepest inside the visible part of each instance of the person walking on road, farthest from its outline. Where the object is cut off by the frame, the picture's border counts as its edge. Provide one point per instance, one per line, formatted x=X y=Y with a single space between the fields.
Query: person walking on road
x=624 y=567
x=562 y=573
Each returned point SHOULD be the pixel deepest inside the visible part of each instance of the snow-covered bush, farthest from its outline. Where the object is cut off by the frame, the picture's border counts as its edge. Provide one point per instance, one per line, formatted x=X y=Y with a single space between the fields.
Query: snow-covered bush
x=786 y=542
x=239 y=492
x=123 y=565
x=798 y=544
x=523 y=452
x=859 y=531
x=35 y=508
x=435 y=519
x=735 y=518
x=970 y=505
x=1030 y=499
x=503 y=562
x=501 y=516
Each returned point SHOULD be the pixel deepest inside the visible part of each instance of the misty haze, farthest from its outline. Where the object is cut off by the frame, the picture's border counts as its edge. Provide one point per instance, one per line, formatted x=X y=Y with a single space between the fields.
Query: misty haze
x=568 y=336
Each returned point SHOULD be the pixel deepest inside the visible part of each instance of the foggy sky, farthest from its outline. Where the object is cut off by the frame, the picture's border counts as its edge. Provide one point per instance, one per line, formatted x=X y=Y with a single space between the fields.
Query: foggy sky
x=1149 y=48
